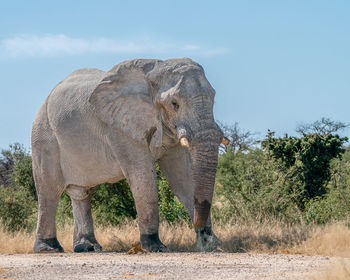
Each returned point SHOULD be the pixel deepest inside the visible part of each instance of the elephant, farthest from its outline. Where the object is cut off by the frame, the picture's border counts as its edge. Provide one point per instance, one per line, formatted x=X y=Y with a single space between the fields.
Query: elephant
x=97 y=127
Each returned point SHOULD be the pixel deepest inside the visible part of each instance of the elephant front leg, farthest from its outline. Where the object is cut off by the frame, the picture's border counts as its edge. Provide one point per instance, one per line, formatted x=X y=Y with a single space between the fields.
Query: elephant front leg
x=143 y=185
x=84 y=236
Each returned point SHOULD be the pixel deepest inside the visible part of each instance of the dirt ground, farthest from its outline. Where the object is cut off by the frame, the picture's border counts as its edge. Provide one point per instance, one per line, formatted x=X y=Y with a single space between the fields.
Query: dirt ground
x=158 y=266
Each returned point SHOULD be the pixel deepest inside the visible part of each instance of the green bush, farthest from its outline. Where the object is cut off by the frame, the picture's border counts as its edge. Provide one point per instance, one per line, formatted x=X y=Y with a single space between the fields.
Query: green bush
x=250 y=187
x=64 y=214
x=291 y=179
x=23 y=174
x=18 y=209
x=17 y=198
x=335 y=205
x=112 y=203
x=16 y=168
x=307 y=160
x=170 y=208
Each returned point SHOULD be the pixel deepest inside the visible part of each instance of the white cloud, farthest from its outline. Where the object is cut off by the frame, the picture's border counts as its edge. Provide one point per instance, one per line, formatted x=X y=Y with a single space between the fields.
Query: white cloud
x=53 y=45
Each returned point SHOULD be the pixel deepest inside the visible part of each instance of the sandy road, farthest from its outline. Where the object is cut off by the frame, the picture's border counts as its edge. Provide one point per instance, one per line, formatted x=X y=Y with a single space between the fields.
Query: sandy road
x=158 y=266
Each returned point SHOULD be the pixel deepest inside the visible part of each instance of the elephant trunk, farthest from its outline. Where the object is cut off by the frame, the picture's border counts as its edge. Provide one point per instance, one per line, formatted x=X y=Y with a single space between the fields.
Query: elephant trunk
x=204 y=155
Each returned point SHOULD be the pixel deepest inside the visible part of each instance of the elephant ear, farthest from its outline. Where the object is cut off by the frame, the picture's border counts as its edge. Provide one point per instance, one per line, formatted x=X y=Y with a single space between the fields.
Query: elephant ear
x=123 y=100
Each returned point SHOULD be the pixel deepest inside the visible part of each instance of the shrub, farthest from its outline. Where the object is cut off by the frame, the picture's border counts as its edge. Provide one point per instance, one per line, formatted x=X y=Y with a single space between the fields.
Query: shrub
x=170 y=208
x=112 y=203
x=16 y=168
x=22 y=174
x=249 y=187
x=17 y=197
x=18 y=209
x=307 y=159
x=291 y=179
x=335 y=205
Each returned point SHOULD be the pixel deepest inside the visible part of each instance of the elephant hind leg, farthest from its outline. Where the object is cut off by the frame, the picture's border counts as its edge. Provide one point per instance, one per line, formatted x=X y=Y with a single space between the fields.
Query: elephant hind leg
x=49 y=182
x=48 y=199
x=84 y=236
x=46 y=240
x=49 y=186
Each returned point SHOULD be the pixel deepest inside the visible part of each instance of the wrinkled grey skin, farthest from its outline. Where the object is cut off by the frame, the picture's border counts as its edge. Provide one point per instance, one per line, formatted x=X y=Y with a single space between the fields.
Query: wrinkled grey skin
x=98 y=127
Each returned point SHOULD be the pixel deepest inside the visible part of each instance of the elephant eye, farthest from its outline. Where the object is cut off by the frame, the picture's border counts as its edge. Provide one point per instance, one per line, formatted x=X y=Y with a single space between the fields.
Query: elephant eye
x=175 y=105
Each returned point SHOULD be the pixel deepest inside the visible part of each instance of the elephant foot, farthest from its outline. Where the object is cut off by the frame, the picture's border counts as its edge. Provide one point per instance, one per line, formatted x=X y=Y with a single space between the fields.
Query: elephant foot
x=49 y=245
x=86 y=244
x=151 y=243
x=206 y=240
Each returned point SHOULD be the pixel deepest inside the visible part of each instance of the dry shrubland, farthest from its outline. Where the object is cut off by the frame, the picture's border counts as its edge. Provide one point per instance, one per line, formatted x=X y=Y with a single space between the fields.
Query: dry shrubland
x=269 y=237
x=330 y=240
x=16 y=243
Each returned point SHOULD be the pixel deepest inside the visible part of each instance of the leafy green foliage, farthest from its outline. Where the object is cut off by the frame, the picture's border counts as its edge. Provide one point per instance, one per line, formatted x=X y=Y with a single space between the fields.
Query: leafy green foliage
x=17 y=195
x=18 y=209
x=6 y=167
x=22 y=174
x=170 y=208
x=307 y=159
x=250 y=187
x=16 y=168
x=291 y=179
x=335 y=205
x=112 y=203
x=64 y=213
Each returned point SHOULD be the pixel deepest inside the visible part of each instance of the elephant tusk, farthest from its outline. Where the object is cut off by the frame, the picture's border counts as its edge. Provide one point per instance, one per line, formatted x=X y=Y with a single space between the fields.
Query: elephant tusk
x=184 y=142
x=225 y=141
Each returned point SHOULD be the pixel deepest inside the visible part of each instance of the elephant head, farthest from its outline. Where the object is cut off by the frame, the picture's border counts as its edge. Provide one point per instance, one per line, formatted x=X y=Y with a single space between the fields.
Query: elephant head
x=153 y=99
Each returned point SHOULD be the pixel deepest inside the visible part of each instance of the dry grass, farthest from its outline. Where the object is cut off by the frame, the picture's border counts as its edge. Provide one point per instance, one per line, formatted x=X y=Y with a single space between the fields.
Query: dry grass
x=119 y=239
x=16 y=243
x=269 y=237
x=116 y=239
x=331 y=240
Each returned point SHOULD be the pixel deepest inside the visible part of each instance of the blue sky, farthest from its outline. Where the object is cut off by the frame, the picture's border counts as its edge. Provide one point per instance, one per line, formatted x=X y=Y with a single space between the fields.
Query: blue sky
x=274 y=64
